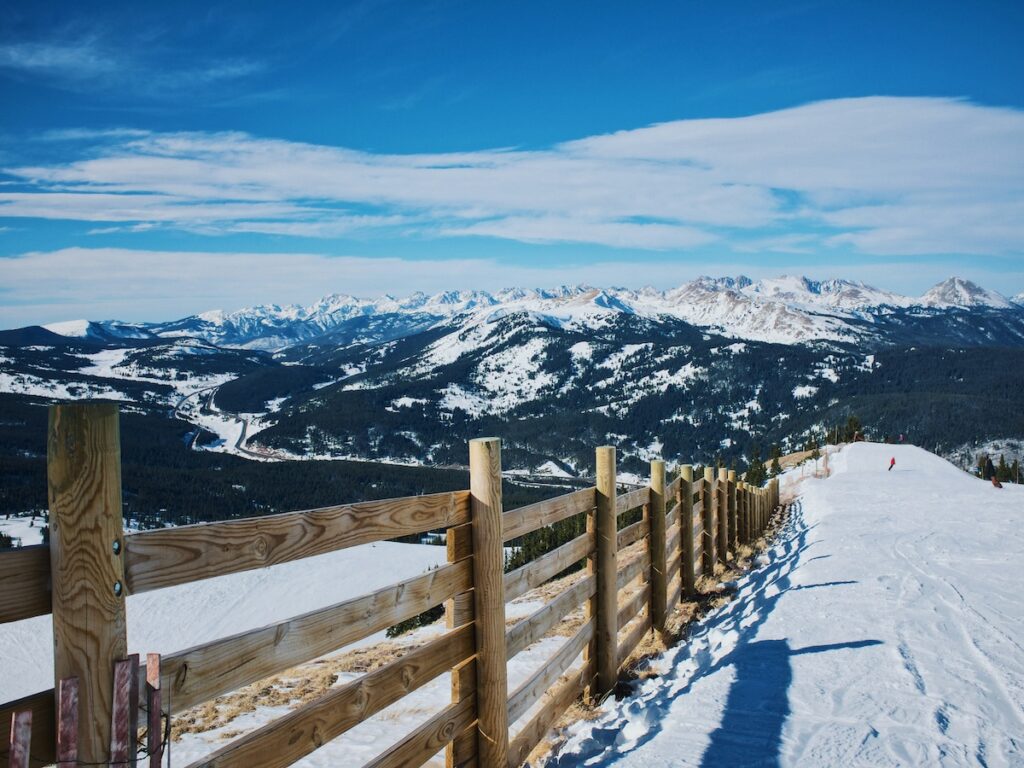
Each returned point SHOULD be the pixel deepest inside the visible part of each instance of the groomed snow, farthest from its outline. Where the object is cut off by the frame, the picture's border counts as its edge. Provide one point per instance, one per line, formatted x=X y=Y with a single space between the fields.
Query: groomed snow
x=884 y=628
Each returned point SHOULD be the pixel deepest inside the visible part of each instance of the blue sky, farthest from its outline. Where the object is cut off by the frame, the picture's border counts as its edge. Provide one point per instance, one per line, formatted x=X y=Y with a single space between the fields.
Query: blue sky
x=164 y=160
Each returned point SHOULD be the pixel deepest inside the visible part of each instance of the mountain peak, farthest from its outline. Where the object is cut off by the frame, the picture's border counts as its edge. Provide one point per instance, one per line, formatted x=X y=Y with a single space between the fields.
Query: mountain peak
x=958 y=292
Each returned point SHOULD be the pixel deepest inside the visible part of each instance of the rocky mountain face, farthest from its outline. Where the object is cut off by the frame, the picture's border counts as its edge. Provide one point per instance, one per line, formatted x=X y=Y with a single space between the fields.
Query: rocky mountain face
x=713 y=368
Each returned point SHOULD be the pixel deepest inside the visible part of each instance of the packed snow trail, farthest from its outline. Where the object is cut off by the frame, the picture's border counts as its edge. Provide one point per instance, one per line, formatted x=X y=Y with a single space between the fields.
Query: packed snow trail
x=883 y=628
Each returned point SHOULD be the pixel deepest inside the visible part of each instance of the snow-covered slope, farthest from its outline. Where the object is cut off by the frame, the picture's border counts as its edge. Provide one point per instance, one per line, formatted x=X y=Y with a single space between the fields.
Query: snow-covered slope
x=177 y=618
x=956 y=292
x=884 y=628
x=787 y=310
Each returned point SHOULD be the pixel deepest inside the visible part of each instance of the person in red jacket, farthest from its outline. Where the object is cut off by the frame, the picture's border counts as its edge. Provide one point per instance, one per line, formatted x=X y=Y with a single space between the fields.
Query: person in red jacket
x=892 y=463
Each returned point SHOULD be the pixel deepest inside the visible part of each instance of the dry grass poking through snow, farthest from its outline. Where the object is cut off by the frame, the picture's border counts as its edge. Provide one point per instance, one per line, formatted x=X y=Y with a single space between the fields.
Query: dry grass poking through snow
x=291 y=688
x=310 y=681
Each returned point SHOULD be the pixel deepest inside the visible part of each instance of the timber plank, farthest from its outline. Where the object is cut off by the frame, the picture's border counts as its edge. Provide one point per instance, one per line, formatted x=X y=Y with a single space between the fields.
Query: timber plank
x=285 y=740
x=24 y=583
x=632 y=500
x=554 y=703
x=206 y=671
x=527 y=694
x=533 y=516
x=634 y=635
x=430 y=738
x=531 y=629
x=533 y=574
x=633 y=533
x=170 y=556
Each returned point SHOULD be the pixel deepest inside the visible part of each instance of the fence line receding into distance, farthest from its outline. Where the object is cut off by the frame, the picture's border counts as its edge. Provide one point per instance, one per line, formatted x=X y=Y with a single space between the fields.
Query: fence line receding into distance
x=636 y=575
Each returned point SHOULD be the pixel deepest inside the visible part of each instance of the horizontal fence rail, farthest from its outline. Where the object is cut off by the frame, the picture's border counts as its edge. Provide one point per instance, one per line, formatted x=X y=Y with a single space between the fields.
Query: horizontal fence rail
x=643 y=551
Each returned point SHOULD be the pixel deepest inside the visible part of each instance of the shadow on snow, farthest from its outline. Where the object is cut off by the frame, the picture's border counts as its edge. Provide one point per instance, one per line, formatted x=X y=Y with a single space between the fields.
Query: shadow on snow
x=750 y=732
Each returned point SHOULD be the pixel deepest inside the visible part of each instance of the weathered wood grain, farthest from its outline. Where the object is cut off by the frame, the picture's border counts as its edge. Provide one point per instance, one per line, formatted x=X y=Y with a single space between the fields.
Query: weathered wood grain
x=658 y=544
x=672 y=516
x=633 y=533
x=634 y=634
x=458 y=611
x=553 y=704
x=722 y=511
x=296 y=734
x=639 y=565
x=675 y=591
x=632 y=500
x=430 y=738
x=548 y=512
x=489 y=598
x=672 y=548
x=87 y=575
x=687 y=542
x=708 y=527
x=200 y=673
x=169 y=556
x=547 y=566
x=24 y=583
x=672 y=488
x=632 y=604
x=527 y=694
x=531 y=629
x=605 y=628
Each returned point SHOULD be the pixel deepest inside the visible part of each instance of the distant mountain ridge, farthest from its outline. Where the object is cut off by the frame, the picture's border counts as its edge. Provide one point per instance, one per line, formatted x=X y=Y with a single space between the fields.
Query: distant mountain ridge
x=714 y=367
x=786 y=309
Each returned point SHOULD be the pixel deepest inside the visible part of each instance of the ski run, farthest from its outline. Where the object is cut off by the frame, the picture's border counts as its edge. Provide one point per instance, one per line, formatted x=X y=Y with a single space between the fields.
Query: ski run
x=883 y=627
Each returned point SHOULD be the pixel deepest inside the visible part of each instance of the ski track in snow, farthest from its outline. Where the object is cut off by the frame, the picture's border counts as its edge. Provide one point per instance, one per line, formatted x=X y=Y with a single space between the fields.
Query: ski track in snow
x=881 y=630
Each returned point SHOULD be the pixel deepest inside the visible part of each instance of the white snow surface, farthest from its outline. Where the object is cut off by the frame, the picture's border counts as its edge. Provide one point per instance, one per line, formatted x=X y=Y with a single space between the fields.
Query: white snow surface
x=884 y=627
x=786 y=309
x=176 y=618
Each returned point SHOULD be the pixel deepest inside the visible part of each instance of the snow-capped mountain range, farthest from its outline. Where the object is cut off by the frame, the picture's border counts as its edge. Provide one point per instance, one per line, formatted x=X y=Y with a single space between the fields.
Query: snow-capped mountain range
x=783 y=310
x=711 y=368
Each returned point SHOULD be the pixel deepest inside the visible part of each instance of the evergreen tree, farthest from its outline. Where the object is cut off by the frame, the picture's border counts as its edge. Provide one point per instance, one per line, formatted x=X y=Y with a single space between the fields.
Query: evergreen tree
x=1003 y=470
x=756 y=473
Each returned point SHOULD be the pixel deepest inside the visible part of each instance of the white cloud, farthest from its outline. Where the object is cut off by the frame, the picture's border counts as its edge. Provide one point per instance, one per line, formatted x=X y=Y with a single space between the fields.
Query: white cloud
x=897 y=176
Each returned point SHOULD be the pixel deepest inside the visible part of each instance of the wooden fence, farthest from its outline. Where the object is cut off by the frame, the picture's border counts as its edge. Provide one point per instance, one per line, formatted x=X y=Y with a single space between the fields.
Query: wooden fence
x=636 y=575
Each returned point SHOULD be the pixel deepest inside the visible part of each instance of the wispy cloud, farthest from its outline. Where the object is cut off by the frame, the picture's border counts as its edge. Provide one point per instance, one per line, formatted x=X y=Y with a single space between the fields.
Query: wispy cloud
x=91 y=63
x=879 y=175
x=74 y=60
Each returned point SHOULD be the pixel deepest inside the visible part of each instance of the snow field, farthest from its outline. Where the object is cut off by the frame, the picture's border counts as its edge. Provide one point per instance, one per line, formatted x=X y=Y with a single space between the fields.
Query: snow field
x=177 y=618
x=882 y=629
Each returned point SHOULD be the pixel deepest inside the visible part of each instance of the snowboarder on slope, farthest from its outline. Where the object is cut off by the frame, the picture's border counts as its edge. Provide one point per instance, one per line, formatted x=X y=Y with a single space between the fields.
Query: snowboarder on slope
x=892 y=463
x=990 y=472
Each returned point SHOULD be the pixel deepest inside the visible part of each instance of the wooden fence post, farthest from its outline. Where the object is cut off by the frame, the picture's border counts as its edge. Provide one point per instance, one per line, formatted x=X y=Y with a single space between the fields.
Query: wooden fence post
x=722 y=500
x=458 y=611
x=659 y=558
x=734 y=525
x=489 y=601
x=686 y=530
x=86 y=562
x=741 y=512
x=606 y=629
x=707 y=535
